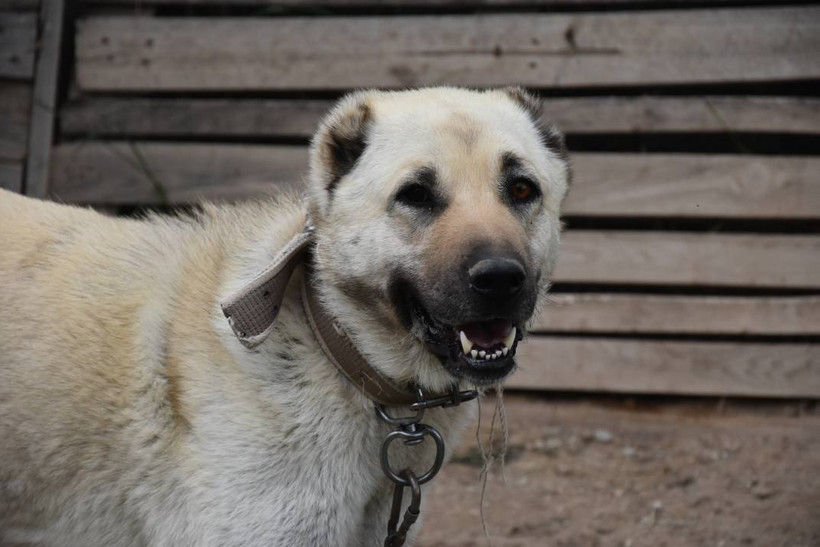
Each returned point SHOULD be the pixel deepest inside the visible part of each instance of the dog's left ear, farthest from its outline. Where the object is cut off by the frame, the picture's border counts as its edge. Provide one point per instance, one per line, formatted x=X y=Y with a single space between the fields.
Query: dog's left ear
x=532 y=105
x=337 y=146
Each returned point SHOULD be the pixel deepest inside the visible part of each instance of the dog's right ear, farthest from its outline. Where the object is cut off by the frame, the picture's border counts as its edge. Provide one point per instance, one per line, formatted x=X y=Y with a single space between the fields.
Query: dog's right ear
x=531 y=104
x=337 y=146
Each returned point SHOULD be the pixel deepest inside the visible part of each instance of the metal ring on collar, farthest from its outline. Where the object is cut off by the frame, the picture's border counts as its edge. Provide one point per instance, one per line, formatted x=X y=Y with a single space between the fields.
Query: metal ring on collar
x=421 y=431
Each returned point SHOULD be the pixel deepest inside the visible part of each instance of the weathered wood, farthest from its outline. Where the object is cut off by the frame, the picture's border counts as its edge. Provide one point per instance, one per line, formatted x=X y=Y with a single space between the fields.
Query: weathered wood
x=705 y=114
x=18 y=32
x=675 y=258
x=605 y=184
x=15 y=108
x=19 y=5
x=693 y=315
x=695 y=185
x=44 y=105
x=539 y=50
x=138 y=117
x=402 y=3
x=128 y=117
x=682 y=368
x=144 y=173
x=11 y=177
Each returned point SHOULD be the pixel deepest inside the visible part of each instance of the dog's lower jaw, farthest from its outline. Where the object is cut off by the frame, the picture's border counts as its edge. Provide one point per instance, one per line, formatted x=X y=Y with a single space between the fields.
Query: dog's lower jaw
x=388 y=346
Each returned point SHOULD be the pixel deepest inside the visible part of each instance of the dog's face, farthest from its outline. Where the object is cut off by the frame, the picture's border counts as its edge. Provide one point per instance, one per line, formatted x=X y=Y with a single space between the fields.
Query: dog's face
x=437 y=221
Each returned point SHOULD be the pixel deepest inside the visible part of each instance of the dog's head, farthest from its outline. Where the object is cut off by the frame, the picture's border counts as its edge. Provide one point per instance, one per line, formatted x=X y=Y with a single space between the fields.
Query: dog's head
x=437 y=225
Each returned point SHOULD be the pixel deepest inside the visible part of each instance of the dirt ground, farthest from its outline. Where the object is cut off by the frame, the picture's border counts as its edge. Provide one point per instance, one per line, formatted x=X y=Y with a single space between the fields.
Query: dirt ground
x=620 y=472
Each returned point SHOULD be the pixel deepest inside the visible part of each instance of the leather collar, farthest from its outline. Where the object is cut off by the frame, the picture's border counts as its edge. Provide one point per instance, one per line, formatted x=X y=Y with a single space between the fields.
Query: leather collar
x=251 y=311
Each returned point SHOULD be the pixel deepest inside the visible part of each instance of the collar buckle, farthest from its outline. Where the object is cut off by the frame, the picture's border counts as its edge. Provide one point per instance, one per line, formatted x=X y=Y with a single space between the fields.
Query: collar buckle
x=454 y=398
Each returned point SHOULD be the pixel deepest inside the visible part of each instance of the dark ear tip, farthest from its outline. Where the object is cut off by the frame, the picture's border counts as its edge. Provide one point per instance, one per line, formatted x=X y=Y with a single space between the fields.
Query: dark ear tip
x=344 y=138
x=552 y=137
x=525 y=99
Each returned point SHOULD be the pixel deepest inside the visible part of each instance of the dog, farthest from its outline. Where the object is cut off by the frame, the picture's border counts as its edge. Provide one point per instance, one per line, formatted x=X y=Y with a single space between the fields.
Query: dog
x=130 y=412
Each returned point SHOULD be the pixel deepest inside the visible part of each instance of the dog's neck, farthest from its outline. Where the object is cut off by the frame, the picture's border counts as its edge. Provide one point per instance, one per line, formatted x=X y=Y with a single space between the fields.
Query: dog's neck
x=252 y=309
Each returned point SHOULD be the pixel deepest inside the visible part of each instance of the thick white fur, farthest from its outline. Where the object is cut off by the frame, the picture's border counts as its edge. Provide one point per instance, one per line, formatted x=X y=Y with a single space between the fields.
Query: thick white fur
x=131 y=415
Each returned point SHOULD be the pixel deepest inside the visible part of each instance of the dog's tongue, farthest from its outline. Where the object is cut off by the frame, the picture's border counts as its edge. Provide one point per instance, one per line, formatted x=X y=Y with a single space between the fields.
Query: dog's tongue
x=487 y=333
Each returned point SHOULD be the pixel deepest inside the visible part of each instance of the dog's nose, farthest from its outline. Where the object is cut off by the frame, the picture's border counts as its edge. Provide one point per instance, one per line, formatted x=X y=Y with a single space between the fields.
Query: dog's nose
x=496 y=277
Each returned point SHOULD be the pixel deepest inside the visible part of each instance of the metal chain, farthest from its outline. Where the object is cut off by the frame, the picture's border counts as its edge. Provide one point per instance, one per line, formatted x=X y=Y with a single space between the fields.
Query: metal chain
x=412 y=432
x=397 y=536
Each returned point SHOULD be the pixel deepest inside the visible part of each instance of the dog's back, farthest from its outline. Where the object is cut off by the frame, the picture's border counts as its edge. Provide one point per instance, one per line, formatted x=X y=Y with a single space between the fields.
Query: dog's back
x=78 y=292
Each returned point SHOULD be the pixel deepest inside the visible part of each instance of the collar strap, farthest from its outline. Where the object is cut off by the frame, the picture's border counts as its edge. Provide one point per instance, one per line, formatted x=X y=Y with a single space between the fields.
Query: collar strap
x=341 y=351
x=252 y=309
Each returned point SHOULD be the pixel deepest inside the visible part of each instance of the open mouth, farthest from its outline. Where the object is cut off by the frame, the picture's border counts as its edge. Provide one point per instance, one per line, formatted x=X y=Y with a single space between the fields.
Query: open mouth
x=481 y=351
x=487 y=340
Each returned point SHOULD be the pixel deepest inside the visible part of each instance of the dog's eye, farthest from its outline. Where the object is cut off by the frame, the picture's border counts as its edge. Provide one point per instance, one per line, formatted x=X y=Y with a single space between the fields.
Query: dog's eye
x=416 y=195
x=523 y=190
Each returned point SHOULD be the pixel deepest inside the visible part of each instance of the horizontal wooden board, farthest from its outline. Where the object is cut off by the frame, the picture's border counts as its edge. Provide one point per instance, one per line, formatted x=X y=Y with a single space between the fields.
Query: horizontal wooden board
x=145 y=173
x=682 y=368
x=690 y=185
x=18 y=32
x=11 y=176
x=688 y=259
x=705 y=114
x=161 y=117
x=15 y=110
x=130 y=117
x=538 y=50
x=692 y=315
x=605 y=184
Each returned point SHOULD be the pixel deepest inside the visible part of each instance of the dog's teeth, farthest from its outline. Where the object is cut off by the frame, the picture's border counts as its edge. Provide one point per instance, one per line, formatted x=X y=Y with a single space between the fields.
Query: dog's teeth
x=482 y=354
x=505 y=351
x=492 y=357
x=466 y=345
x=498 y=353
x=474 y=353
x=510 y=339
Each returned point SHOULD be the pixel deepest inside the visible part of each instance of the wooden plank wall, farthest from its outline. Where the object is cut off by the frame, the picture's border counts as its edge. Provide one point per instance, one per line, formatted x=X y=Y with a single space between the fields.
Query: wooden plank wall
x=692 y=260
x=18 y=35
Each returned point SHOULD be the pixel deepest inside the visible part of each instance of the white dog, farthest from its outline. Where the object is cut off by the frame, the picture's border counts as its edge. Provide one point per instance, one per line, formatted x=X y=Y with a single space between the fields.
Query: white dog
x=132 y=412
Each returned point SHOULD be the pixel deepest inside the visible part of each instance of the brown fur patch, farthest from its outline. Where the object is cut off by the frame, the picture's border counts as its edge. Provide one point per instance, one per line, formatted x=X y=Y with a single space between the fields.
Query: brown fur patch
x=189 y=320
x=461 y=126
x=465 y=226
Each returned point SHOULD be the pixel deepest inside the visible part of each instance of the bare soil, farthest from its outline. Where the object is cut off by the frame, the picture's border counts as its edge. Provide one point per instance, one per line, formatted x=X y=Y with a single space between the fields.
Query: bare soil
x=620 y=472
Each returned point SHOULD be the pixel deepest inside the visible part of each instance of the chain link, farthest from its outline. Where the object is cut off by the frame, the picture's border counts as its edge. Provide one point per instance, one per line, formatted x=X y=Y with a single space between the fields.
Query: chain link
x=397 y=536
